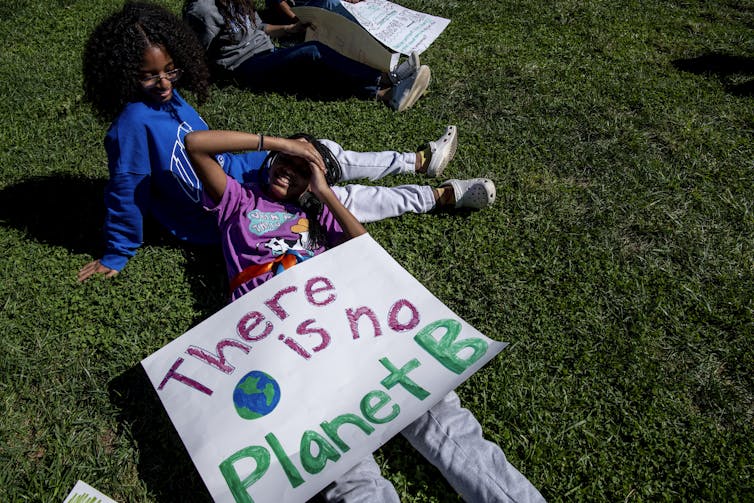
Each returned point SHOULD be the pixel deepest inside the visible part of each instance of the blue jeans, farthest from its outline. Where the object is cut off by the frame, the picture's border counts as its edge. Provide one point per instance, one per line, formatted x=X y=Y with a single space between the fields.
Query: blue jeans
x=331 y=5
x=309 y=68
x=450 y=438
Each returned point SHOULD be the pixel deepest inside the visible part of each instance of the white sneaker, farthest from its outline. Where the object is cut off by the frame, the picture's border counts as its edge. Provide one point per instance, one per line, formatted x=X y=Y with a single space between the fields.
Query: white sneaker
x=442 y=151
x=408 y=91
x=405 y=69
x=476 y=193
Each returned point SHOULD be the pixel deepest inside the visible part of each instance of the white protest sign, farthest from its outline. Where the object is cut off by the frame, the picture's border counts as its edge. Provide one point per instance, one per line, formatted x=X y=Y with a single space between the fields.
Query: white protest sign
x=402 y=30
x=282 y=391
x=346 y=37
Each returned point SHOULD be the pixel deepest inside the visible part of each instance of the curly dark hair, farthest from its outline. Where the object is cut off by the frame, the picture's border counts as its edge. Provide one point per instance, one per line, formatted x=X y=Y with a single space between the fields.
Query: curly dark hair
x=115 y=49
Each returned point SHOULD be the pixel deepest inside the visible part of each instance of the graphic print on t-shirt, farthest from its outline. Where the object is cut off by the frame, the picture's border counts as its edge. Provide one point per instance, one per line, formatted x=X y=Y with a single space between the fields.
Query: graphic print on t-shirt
x=262 y=222
x=297 y=247
x=237 y=28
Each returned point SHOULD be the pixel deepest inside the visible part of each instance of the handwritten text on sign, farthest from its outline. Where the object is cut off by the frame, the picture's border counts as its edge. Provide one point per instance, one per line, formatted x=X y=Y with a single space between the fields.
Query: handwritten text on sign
x=285 y=389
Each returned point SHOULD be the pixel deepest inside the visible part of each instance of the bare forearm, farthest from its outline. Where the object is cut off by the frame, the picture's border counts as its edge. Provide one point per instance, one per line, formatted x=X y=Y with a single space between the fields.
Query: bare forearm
x=203 y=146
x=287 y=11
x=216 y=142
x=281 y=30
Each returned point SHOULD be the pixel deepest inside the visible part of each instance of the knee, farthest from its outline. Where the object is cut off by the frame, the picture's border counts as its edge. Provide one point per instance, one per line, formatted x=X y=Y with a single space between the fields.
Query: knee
x=311 y=51
x=331 y=5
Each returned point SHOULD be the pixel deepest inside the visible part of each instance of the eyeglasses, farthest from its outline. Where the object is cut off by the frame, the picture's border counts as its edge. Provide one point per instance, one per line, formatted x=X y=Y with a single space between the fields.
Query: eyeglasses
x=152 y=81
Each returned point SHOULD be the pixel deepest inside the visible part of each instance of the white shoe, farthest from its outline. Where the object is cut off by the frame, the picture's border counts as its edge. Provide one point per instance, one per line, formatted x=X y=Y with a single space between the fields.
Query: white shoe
x=408 y=91
x=405 y=69
x=442 y=151
x=476 y=193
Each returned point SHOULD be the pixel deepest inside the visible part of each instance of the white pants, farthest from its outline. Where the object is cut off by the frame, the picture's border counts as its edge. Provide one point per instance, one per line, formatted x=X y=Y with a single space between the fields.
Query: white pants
x=449 y=437
x=368 y=203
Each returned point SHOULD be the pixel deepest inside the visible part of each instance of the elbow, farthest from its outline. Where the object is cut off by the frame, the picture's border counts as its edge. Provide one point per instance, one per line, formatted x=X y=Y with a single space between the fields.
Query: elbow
x=189 y=142
x=356 y=232
x=195 y=146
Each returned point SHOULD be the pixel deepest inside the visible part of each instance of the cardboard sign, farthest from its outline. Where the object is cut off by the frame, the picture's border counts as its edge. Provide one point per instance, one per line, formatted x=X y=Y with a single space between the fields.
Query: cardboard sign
x=382 y=31
x=402 y=30
x=346 y=37
x=285 y=389
x=84 y=493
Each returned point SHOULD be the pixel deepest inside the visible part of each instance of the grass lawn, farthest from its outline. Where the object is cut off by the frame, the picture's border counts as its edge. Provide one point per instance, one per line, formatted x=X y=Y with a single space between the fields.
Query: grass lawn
x=618 y=260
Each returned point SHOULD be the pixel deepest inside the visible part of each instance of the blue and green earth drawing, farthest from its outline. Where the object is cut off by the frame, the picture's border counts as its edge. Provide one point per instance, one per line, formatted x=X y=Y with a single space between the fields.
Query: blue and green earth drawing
x=256 y=395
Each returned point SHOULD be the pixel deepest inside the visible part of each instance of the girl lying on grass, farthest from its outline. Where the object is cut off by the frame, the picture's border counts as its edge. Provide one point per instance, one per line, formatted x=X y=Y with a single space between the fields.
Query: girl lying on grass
x=297 y=206
x=267 y=227
x=133 y=62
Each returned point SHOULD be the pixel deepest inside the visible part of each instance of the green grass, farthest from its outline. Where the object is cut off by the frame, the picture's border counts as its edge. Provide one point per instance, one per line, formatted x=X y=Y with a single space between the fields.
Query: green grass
x=618 y=261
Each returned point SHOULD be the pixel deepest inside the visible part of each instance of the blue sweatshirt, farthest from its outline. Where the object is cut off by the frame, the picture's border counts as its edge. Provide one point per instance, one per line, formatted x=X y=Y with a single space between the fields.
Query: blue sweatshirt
x=150 y=174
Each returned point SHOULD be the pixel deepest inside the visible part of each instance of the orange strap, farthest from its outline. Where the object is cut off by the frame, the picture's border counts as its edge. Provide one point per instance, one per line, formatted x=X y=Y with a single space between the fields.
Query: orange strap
x=287 y=260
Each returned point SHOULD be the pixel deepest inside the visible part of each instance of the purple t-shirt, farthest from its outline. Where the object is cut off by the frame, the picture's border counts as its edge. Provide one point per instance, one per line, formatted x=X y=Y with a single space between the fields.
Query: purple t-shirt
x=255 y=229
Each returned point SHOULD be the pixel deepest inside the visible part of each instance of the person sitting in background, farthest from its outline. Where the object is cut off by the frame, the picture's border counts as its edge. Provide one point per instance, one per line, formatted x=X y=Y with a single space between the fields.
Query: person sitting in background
x=239 y=46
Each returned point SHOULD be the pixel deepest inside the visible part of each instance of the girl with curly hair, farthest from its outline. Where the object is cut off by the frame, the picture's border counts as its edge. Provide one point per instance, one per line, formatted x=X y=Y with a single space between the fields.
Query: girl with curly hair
x=133 y=63
x=239 y=44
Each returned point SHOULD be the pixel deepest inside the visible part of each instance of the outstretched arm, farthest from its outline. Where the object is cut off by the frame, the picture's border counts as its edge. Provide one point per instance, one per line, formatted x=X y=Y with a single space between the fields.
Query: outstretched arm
x=202 y=146
x=126 y=197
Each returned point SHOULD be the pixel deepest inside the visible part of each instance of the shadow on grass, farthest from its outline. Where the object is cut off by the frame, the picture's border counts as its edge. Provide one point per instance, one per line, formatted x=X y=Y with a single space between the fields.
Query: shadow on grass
x=163 y=462
x=319 y=85
x=726 y=67
x=68 y=211
x=58 y=210
x=322 y=92
x=207 y=277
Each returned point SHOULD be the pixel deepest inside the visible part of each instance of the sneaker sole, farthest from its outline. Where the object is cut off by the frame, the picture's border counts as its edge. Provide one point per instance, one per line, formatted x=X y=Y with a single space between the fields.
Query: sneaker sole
x=448 y=153
x=420 y=85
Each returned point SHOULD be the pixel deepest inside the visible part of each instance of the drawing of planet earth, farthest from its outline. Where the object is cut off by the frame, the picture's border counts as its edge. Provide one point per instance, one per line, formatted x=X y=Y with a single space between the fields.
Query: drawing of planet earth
x=256 y=395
